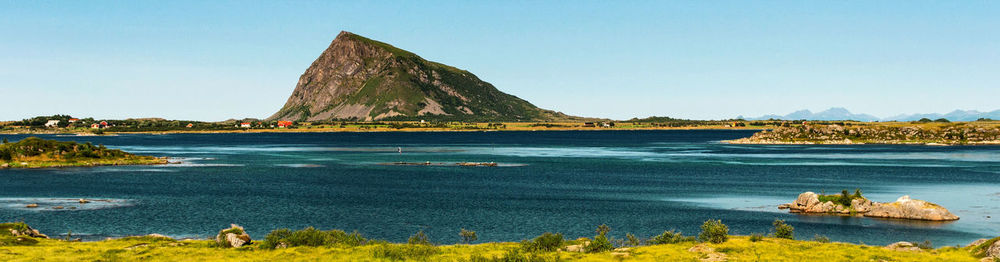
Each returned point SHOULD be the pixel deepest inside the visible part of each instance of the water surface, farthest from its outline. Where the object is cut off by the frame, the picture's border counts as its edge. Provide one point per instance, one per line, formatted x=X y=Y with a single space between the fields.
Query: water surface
x=642 y=182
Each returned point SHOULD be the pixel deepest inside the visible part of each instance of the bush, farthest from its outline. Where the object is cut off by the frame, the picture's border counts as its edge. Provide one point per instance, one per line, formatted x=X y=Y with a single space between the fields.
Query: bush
x=821 y=239
x=632 y=241
x=670 y=237
x=925 y=245
x=312 y=237
x=601 y=242
x=547 y=242
x=756 y=237
x=404 y=252
x=782 y=230
x=419 y=239
x=714 y=231
x=468 y=236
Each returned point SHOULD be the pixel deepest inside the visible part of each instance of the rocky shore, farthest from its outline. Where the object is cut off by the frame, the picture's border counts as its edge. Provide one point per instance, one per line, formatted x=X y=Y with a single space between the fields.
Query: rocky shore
x=970 y=133
x=903 y=208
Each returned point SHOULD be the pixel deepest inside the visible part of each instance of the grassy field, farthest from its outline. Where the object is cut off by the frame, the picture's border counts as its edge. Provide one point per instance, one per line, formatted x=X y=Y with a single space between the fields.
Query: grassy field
x=738 y=248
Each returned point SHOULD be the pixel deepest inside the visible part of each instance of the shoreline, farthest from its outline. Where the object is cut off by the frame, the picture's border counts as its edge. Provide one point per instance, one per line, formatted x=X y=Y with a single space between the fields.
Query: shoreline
x=378 y=130
x=152 y=162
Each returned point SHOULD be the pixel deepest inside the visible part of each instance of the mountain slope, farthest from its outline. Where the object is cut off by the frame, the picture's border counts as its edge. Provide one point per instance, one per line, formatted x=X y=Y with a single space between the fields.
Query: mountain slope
x=357 y=78
x=838 y=113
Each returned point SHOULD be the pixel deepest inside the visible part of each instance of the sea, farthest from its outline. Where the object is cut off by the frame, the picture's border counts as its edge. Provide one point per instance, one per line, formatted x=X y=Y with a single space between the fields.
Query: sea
x=390 y=185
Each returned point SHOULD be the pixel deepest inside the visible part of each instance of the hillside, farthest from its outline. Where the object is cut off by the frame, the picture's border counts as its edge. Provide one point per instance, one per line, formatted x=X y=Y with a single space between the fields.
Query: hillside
x=357 y=78
x=35 y=152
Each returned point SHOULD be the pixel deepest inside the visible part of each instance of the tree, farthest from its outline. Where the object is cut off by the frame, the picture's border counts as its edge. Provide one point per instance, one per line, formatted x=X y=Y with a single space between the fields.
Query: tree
x=714 y=231
x=782 y=230
x=5 y=140
x=468 y=236
x=419 y=239
x=601 y=242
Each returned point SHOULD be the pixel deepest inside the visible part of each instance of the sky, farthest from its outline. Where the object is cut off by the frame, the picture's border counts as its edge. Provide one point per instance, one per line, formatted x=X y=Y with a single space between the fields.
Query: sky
x=217 y=60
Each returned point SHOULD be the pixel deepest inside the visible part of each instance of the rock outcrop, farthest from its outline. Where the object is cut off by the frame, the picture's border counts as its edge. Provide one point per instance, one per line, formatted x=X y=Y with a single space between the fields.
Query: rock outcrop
x=903 y=208
x=907 y=208
x=26 y=231
x=903 y=246
x=234 y=236
x=949 y=134
x=357 y=78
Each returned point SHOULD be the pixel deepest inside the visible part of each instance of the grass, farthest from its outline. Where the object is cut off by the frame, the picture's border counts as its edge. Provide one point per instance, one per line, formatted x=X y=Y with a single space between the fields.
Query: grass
x=738 y=248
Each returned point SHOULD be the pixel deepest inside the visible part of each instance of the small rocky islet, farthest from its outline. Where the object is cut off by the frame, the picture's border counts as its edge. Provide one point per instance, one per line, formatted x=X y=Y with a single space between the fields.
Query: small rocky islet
x=856 y=205
x=965 y=133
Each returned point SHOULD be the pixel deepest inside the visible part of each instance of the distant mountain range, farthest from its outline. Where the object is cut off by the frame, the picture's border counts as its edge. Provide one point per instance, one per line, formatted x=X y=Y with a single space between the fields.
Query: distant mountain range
x=839 y=113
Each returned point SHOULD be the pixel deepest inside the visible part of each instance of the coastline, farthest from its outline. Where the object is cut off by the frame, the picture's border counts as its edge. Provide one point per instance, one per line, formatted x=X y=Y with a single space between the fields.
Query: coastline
x=133 y=162
x=357 y=130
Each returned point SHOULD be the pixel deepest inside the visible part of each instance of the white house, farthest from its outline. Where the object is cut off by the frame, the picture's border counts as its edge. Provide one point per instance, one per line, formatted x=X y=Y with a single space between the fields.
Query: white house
x=52 y=123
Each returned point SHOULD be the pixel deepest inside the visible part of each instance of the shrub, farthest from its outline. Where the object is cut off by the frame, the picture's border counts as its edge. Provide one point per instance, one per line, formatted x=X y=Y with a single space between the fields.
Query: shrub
x=468 y=236
x=714 y=231
x=925 y=245
x=547 y=242
x=670 y=237
x=600 y=244
x=404 y=252
x=821 y=239
x=782 y=230
x=312 y=237
x=419 y=239
x=631 y=240
x=756 y=237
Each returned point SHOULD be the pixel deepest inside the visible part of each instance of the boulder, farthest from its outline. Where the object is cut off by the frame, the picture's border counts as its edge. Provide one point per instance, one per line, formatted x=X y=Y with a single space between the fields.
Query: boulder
x=903 y=246
x=27 y=232
x=234 y=236
x=83 y=201
x=31 y=206
x=994 y=250
x=861 y=205
x=803 y=203
x=906 y=208
x=234 y=240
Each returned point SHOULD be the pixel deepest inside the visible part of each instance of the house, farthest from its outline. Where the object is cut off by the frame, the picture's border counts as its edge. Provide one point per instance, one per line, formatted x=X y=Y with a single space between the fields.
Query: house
x=284 y=124
x=95 y=126
x=245 y=125
x=190 y=125
x=104 y=124
x=52 y=123
x=588 y=124
x=74 y=120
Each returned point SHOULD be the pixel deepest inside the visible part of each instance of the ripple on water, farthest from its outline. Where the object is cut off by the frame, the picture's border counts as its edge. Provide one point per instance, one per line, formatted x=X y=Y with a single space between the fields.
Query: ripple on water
x=64 y=204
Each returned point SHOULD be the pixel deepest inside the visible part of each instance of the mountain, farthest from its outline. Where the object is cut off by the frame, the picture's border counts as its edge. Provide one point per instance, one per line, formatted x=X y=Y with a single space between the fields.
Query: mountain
x=357 y=78
x=957 y=115
x=836 y=113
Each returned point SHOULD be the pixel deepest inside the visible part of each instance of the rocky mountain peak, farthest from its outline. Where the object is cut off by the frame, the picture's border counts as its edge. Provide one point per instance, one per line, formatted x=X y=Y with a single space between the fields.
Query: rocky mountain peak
x=357 y=78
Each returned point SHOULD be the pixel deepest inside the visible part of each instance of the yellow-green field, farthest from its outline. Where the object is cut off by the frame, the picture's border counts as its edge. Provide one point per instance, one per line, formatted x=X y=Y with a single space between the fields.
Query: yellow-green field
x=738 y=248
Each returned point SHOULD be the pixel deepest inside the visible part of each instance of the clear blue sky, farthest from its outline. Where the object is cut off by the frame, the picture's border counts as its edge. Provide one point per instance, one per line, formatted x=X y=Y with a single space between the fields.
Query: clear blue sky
x=215 y=60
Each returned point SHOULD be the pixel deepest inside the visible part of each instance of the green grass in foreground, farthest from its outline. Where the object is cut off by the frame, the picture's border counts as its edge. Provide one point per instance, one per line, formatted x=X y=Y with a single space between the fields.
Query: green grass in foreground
x=737 y=248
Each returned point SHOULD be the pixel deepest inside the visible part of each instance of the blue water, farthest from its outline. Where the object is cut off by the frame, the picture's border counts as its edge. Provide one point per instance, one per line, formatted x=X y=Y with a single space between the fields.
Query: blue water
x=640 y=182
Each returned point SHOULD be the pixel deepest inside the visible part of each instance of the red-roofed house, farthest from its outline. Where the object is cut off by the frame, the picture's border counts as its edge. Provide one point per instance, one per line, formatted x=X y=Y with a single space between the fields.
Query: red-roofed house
x=284 y=124
x=245 y=125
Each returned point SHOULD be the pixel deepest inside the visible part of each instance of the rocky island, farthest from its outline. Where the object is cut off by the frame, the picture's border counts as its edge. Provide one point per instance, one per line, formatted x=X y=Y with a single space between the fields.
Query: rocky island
x=964 y=133
x=35 y=152
x=857 y=205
